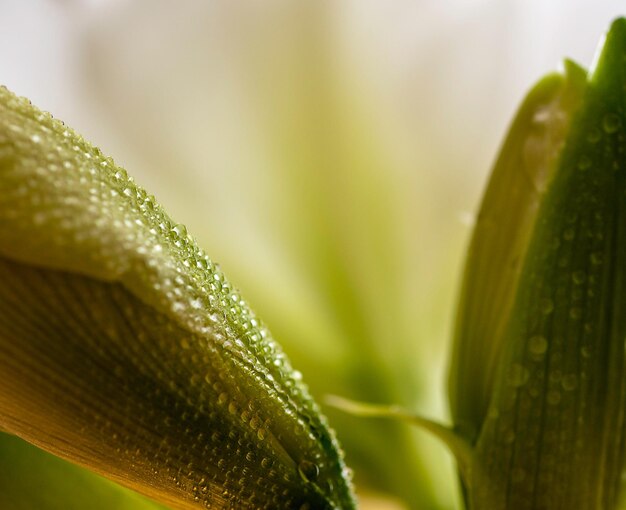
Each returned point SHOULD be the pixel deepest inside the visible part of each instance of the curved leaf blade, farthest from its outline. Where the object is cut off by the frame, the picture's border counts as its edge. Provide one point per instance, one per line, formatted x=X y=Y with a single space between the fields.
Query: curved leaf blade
x=124 y=348
x=555 y=431
x=522 y=173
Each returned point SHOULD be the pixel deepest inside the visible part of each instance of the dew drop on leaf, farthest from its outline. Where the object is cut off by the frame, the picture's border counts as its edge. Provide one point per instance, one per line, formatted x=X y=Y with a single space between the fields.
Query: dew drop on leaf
x=309 y=471
x=538 y=344
x=611 y=123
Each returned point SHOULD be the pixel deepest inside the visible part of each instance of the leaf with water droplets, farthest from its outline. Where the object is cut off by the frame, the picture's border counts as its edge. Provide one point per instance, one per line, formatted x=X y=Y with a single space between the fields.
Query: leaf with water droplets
x=124 y=348
x=553 y=432
x=507 y=215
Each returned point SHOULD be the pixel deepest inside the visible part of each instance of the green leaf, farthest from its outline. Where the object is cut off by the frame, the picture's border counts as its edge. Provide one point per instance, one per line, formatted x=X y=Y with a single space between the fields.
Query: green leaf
x=123 y=348
x=554 y=432
x=499 y=242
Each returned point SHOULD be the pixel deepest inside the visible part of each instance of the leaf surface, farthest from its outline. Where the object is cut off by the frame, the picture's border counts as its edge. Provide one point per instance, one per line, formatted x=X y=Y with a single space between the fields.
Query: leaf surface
x=124 y=348
x=521 y=175
x=554 y=433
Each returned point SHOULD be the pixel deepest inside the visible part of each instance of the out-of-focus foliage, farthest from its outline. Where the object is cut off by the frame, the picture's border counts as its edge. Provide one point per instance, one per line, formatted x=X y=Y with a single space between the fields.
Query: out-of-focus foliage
x=31 y=479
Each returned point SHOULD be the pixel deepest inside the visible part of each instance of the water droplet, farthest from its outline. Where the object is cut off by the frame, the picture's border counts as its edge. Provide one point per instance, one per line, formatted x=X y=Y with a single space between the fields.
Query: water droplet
x=578 y=277
x=121 y=175
x=569 y=382
x=180 y=230
x=555 y=376
x=518 y=375
x=575 y=313
x=308 y=471
x=255 y=422
x=596 y=258
x=611 y=123
x=538 y=344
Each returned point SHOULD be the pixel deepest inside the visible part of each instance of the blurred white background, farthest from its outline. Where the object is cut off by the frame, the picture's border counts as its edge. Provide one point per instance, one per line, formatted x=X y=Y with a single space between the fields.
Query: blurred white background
x=329 y=154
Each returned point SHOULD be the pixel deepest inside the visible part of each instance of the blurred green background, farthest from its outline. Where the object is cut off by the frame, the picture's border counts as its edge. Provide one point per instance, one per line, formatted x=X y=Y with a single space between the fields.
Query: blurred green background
x=328 y=154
